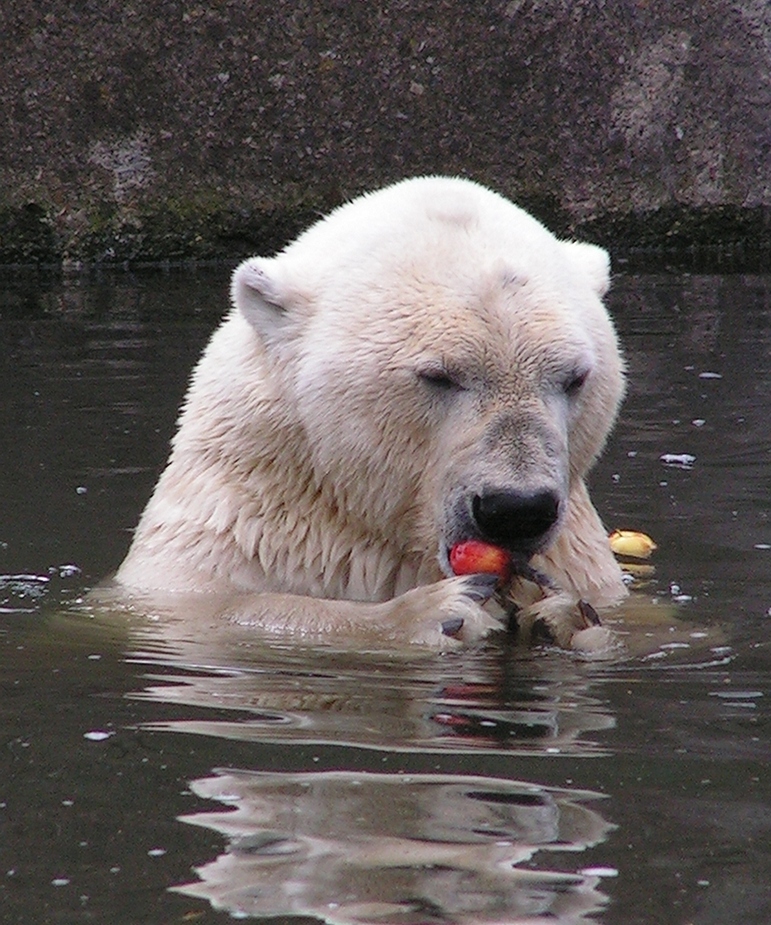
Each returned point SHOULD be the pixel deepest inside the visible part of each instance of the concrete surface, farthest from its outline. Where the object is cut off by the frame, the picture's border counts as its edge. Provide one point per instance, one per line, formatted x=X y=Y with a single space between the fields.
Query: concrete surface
x=170 y=129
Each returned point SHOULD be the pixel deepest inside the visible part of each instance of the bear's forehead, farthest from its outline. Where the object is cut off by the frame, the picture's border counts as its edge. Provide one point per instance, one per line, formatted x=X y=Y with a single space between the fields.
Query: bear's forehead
x=471 y=344
x=480 y=349
x=463 y=241
x=499 y=307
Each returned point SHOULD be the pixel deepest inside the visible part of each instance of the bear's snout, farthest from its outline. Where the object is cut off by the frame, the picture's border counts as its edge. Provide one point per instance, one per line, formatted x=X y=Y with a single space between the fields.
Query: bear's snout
x=515 y=520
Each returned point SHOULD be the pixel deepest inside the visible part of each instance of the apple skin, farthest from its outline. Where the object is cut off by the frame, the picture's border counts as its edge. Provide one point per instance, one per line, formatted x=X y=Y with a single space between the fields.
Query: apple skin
x=475 y=557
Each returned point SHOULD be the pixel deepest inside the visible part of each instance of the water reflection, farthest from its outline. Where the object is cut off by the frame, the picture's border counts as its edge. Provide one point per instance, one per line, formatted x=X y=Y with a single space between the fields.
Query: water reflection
x=493 y=700
x=361 y=848
x=357 y=846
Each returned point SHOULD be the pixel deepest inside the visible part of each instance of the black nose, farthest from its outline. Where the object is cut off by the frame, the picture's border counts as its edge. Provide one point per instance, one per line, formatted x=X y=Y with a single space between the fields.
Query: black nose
x=514 y=519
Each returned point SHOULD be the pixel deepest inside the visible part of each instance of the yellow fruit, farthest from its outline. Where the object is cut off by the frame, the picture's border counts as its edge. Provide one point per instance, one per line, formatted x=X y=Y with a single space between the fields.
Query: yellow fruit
x=631 y=543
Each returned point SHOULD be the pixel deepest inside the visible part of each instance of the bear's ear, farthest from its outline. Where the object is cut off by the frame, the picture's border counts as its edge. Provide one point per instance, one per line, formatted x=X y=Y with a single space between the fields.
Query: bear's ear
x=592 y=262
x=257 y=295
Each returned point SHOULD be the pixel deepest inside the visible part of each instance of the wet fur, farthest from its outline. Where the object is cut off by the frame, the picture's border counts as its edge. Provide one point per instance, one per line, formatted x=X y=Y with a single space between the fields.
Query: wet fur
x=317 y=478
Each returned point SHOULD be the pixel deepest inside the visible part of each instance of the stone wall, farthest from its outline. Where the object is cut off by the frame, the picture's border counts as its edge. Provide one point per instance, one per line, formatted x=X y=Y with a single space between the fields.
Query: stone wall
x=167 y=129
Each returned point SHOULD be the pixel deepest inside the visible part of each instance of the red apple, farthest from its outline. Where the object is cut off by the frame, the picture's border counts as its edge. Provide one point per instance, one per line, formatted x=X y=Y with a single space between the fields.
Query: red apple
x=473 y=557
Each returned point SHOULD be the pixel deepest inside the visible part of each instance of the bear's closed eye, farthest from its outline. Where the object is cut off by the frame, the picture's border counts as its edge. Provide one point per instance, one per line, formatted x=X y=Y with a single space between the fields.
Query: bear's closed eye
x=440 y=378
x=575 y=382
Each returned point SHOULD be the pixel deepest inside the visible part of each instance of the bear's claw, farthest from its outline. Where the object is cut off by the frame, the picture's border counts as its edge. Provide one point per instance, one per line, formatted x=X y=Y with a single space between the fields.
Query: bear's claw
x=452 y=627
x=589 y=614
x=480 y=587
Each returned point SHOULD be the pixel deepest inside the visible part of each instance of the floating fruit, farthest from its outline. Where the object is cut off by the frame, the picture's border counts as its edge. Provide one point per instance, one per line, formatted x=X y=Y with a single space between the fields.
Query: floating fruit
x=473 y=557
x=631 y=543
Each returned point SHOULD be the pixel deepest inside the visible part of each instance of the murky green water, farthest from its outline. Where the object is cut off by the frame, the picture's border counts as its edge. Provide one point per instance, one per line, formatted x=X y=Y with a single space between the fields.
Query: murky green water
x=147 y=776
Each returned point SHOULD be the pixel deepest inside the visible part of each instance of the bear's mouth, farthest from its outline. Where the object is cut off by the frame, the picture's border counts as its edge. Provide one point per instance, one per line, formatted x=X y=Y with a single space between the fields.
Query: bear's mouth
x=516 y=522
x=510 y=562
x=477 y=557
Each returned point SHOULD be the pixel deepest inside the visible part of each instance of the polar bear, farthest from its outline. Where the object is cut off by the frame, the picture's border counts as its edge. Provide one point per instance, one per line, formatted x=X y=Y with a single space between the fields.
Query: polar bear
x=425 y=365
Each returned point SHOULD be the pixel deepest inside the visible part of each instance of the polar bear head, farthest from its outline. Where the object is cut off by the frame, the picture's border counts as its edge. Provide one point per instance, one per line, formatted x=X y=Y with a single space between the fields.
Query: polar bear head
x=448 y=365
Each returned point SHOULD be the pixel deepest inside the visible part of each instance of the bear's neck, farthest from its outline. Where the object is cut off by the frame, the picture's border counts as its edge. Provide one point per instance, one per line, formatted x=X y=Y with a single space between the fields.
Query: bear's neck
x=240 y=507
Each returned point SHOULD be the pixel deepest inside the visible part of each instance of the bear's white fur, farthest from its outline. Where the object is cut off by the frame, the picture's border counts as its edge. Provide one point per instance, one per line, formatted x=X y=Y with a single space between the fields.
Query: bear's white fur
x=413 y=349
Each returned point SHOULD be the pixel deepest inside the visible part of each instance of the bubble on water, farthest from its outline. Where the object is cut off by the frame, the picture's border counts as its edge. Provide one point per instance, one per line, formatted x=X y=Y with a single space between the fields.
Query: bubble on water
x=736 y=695
x=678 y=460
x=598 y=872
x=22 y=593
x=97 y=735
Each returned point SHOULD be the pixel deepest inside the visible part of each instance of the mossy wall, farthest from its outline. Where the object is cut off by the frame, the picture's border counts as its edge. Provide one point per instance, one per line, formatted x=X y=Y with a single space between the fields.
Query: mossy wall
x=168 y=129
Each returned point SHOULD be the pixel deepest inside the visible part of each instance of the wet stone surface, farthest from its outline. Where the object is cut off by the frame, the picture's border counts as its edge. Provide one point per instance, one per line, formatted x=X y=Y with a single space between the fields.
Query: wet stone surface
x=169 y=132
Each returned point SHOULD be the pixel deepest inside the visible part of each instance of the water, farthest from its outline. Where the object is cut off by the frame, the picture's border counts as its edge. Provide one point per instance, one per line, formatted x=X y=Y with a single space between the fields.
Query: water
x=150 y=776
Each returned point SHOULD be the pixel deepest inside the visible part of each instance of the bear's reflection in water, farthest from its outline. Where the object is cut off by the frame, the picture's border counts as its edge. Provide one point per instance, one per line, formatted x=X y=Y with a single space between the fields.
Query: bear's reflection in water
x=355 y=846
x=351 y=847
x=484 y=701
